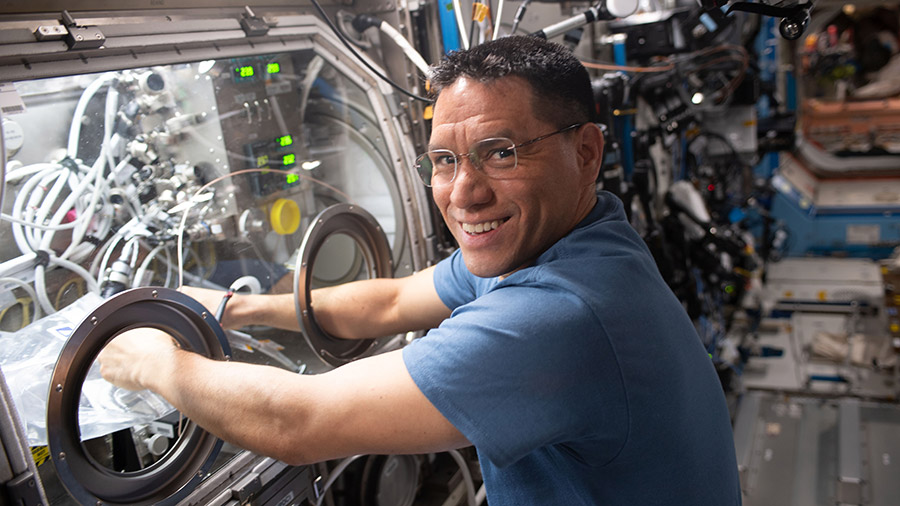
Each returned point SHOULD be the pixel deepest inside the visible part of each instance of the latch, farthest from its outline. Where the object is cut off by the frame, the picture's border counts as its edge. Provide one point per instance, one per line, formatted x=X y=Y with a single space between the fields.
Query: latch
x=24 y=490
x=252 y=25
x=81 y=37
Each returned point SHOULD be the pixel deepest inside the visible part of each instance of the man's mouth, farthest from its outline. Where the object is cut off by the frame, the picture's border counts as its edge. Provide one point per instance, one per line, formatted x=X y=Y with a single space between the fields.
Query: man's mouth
x=480 y=228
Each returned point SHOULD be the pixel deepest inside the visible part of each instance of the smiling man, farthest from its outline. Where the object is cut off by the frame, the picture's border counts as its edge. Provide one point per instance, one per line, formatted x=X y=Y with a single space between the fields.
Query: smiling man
x=555 y=346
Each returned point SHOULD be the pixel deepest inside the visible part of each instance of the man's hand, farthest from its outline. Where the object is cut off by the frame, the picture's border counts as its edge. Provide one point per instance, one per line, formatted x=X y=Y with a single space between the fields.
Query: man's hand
x=134 y=358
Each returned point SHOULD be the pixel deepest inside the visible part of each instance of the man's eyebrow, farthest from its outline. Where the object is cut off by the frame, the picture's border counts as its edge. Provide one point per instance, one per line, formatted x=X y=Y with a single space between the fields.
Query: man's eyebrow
x=505 y=133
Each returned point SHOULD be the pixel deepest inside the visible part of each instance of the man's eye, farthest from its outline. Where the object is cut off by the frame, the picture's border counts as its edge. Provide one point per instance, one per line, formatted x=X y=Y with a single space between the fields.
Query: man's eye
x=443 y=160
x=499 y=154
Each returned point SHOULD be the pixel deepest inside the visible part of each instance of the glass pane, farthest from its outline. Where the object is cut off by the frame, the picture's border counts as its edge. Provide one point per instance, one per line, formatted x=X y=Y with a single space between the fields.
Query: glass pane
x=205 y=173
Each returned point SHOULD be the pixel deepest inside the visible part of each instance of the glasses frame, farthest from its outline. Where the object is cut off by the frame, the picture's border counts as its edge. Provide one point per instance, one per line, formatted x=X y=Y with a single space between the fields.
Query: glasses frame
x=470 y=154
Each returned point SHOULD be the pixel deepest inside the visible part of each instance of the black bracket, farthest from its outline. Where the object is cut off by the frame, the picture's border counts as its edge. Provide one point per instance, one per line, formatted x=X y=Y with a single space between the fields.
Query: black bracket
x=24 y=490
x=81 y=37
x=794 y=18
x=252 y=25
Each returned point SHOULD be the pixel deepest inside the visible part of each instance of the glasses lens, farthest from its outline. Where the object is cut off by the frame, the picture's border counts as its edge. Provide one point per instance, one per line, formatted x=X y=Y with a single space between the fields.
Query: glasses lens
x=436 y=167
x=495 y=155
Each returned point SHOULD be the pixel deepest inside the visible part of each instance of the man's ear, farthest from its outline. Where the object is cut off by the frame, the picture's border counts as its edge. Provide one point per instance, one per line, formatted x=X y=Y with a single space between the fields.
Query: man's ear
x=590 y=150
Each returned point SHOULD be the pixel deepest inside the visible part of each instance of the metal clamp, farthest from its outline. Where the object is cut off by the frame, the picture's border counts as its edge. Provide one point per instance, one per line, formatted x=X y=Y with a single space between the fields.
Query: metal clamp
x=81 y=37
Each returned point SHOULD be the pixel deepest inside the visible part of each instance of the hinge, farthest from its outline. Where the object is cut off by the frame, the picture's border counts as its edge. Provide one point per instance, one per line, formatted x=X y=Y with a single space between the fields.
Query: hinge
x=81 y=37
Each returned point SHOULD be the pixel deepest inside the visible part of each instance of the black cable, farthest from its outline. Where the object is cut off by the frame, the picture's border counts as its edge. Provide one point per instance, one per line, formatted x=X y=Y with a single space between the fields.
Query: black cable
x=361 y=59
x=220 y=311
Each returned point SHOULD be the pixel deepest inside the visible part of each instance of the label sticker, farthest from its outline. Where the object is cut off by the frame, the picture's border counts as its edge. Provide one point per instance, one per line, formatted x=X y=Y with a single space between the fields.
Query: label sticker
x=10 y=101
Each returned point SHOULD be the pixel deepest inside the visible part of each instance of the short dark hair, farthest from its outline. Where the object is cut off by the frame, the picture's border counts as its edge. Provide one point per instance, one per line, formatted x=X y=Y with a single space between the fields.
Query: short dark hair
x=561 y=84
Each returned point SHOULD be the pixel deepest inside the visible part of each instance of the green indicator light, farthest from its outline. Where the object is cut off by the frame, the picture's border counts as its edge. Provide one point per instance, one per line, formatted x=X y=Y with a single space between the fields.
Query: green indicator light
x=284 y=140
x=292 y=178
x=729 y=288
x=244 y=71
x=289 y=159
x=273 y=68
x=262 y=161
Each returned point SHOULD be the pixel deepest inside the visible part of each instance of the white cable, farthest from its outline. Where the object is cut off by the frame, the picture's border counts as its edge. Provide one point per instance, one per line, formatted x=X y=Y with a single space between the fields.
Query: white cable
x=17 y=264
x=248 y=281
x=2 y=162
x=334 y=474
x=142 y=270
x=38 y=214
x=24 y=223
x=20 y=203
x=481 y=495
x=69 y=203
x=91 y=283
x=497 y=23
x=404 y=44
x=25 y=286
x=40 y=287
x=467 y=476
x=80 y=108
x=461 y=24
x=16 y=174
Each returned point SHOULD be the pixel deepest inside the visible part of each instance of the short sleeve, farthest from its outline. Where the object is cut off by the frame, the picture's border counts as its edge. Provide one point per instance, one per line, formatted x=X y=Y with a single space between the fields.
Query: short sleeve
x=513 y=376
x=454 y=283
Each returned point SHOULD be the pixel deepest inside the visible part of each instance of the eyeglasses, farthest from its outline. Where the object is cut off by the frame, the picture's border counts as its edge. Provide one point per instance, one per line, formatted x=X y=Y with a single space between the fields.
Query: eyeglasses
x=495 y=157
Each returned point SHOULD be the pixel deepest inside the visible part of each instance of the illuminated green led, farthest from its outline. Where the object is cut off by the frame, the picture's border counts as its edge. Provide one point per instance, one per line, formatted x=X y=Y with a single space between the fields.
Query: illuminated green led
x=244 y=71
x=292 y=178
x=273 y=68
x=729 y=288
x=284 y=140
x=262 y=161
x=289 y=159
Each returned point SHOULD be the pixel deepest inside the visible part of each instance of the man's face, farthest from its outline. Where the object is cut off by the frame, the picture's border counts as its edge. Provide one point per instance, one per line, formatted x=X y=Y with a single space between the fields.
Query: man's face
x=504 y=224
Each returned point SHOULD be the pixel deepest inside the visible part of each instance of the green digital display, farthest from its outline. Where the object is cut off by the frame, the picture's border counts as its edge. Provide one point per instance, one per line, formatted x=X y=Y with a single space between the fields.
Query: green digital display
x=273 y=68
x=289 y=159
x=284 y=141
x=244 y=71
x=292 y=178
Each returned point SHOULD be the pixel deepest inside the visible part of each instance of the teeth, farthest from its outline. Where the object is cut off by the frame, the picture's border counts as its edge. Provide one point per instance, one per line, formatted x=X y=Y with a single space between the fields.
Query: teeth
x=480 y=228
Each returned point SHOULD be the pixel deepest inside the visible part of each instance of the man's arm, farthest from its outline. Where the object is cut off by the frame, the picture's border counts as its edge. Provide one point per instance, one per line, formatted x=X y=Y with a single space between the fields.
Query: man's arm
x=357 y=310
x=368 y=406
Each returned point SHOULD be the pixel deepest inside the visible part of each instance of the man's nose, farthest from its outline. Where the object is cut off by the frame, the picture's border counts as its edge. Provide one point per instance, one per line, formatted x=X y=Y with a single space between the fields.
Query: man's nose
x=470 y=186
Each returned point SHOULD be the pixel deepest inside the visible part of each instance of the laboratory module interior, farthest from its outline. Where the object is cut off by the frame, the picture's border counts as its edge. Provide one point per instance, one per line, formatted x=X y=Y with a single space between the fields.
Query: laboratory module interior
x=268 y=147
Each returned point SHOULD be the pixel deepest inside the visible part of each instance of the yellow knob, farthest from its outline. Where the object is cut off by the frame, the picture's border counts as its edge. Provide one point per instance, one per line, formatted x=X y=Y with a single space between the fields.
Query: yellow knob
x=285 y=216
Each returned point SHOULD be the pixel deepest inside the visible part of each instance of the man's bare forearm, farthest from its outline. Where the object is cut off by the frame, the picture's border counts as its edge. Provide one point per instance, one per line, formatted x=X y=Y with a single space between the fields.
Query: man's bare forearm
x=358 y=310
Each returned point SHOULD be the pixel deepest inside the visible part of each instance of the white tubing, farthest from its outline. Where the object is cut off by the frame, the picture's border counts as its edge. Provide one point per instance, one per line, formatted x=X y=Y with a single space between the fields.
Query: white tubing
x=80 y=108
x=497 y=22
x=467 y=476
x=461 y=23
x=334 y=474
x=92 y=284
x=25 y=286
x=404 y=44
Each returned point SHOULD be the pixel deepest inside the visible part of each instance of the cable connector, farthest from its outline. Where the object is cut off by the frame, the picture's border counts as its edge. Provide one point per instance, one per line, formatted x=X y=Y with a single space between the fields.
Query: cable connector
x=42 y=258
x=363 y=22
x=252 y=25
x=69 y=163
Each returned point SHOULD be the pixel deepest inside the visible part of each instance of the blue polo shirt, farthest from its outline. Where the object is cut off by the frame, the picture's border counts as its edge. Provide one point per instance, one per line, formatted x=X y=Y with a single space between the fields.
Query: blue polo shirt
x=580 y=379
